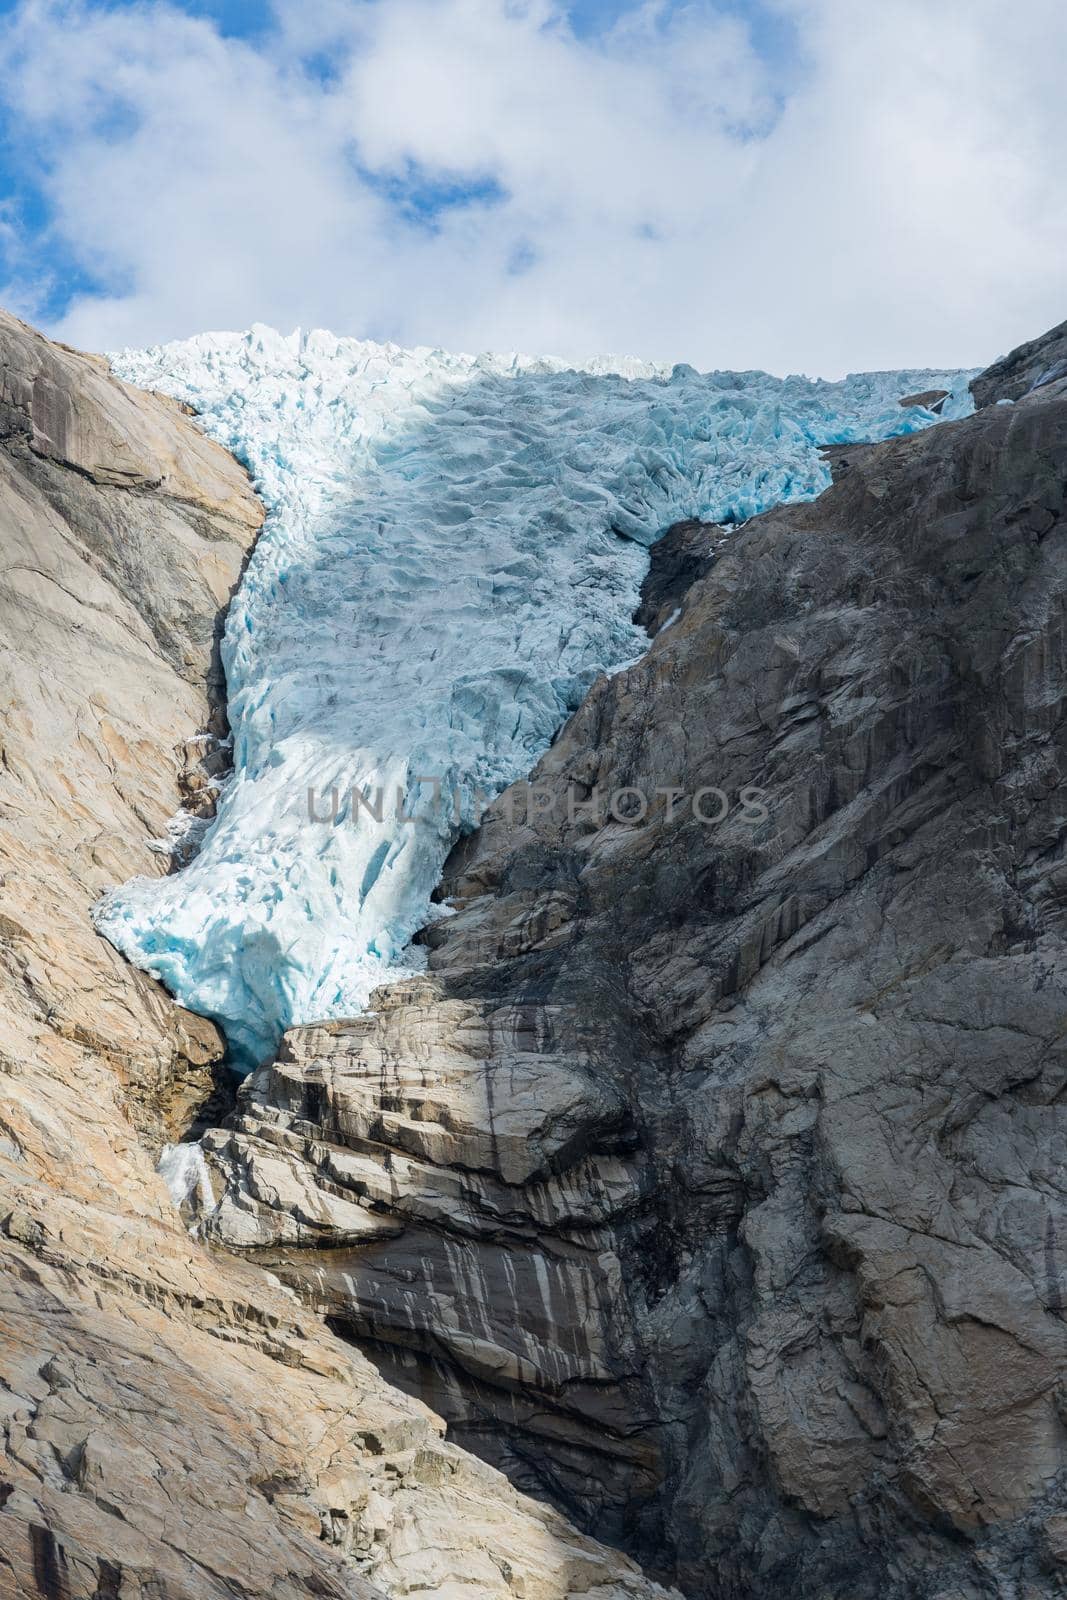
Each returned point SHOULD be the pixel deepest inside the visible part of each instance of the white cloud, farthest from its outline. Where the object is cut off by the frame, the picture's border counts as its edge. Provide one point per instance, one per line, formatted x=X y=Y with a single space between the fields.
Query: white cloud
x=908 y=204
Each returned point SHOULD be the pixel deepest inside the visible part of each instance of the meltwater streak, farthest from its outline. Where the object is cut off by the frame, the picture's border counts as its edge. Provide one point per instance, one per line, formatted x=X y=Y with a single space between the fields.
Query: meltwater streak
x=453 y=551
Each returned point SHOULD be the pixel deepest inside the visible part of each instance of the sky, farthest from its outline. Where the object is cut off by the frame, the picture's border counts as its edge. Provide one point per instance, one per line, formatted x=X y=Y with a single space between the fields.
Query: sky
x=815 y=186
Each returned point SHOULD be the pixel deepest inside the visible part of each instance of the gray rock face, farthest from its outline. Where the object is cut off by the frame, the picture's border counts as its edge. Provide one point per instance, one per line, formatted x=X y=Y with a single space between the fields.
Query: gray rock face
x=713 y=1180
x=1029 y=367
x=932 y=399
x=449 y=1179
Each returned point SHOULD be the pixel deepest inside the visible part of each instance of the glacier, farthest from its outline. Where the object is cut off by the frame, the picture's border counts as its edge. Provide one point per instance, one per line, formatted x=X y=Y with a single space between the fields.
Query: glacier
x=453 y=551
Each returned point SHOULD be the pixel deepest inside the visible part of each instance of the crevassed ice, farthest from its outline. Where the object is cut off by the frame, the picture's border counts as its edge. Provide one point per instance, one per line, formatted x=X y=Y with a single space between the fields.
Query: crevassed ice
x=453 y=551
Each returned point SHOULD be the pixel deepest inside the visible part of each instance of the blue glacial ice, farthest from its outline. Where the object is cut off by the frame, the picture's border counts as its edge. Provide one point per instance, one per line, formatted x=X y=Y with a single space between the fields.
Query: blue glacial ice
x=453 y=552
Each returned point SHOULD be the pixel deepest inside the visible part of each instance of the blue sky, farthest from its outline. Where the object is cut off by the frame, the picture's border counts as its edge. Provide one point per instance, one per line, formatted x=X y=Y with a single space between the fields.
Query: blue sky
x=66 y=274
x=799 y=184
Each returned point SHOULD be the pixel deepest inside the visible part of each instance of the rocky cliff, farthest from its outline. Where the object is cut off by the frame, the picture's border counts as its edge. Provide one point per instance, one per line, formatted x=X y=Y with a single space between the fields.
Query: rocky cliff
x=1039 y=362
x=711 y=1183
x=175 y=1425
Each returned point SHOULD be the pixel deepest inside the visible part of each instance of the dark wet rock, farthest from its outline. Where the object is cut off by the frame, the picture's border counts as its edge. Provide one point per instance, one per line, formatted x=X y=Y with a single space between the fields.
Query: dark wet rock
x=840 y=457
x=684 y=554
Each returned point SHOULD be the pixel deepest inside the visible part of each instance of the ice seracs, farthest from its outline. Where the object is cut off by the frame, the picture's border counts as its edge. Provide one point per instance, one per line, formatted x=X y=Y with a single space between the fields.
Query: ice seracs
x=453 y=551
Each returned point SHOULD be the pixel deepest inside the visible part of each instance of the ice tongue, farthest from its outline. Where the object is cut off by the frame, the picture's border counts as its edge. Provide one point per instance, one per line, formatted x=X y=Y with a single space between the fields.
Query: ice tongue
x=453 y=551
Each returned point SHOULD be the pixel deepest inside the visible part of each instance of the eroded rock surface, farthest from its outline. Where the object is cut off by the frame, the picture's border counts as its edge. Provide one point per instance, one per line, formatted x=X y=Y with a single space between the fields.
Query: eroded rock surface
x=173 y=1425
x=712 y=1182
